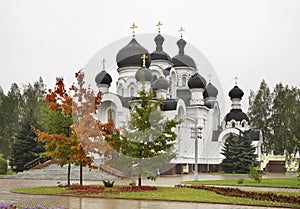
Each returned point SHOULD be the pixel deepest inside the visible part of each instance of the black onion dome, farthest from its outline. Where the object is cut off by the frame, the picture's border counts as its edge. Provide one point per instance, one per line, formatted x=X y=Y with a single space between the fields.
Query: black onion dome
x=210 y=91
x=103 y=78
x=131 y=54
x=159 y=54
x=182 y=60
x=143 y=74
x=236 y=92
x=237 y=115
x=196 y=81
x=161 y=83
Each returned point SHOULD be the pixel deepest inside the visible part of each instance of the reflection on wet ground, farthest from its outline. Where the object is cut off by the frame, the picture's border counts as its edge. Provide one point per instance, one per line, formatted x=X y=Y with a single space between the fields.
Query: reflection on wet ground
x=90 y=203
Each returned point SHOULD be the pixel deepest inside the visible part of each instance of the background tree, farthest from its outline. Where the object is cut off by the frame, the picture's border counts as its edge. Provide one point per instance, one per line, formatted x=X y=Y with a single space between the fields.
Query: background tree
x=239 y=153
x=3 y=139
x=259 y=112
x=3 y=165
x=284 y=117
x=11 y=115
x=296 y=127
x=146 y=143
x=277 y=115
x=32 y=97
x=15 y=108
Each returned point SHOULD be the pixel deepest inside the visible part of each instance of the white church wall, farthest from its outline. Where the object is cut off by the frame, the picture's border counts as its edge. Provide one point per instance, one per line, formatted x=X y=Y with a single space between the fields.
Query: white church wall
x=126 y=72
x=113 y=102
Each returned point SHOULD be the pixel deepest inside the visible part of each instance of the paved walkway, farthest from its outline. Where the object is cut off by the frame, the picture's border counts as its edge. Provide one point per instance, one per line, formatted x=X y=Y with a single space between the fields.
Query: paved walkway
x=90 y=203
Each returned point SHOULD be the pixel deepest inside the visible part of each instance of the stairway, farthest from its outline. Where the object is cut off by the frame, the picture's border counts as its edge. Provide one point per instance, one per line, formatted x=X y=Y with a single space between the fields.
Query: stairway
x=56 y=172
x=273 y=163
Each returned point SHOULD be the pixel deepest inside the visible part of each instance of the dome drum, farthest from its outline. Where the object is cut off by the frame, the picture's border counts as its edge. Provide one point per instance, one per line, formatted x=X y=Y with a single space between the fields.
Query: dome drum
x=237 y=115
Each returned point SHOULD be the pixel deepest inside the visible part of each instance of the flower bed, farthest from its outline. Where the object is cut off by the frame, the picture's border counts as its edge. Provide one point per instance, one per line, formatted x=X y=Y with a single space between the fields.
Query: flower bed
x=83 y=189
x=235 y=192
x=77 y=189
x=14 y=206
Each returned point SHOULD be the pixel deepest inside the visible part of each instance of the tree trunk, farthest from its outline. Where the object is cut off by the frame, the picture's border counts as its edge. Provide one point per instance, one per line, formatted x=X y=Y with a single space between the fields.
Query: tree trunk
x=140 y=180
x=140 y=175
x=69 y=174
x=80 y=175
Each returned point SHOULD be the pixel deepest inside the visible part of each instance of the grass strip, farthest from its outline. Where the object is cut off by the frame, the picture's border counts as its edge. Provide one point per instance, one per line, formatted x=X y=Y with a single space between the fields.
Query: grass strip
x=267 y=182
x=163 y=193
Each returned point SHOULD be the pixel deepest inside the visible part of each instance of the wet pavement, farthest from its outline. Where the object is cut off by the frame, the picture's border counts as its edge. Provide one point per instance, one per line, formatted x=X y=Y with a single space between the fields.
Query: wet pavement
x=90 y=203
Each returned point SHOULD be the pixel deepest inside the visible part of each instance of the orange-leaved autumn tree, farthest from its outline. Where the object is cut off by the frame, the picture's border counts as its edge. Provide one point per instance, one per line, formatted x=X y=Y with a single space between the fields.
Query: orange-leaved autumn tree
x=71 y=128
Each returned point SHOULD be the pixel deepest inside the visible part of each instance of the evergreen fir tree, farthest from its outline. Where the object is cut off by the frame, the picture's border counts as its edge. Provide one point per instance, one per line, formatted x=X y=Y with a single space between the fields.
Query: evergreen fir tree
x=24 y=148
x=239 y=153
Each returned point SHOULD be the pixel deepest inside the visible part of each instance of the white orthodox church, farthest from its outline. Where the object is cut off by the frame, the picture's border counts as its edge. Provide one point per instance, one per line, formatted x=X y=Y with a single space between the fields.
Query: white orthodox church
x=188 y=96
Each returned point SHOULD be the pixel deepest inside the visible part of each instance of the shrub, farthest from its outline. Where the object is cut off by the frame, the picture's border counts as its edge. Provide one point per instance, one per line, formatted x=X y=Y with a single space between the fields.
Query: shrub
x=255 y=174
x=133 y=182
x=240 y=181
x=297 y=172
x=108 y=183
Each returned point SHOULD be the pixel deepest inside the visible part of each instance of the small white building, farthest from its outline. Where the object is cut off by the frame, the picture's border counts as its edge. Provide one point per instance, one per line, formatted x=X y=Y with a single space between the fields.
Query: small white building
x=188 y=96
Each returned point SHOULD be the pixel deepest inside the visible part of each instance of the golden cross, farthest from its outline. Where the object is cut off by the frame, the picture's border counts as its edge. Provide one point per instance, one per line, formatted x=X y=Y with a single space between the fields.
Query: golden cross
x=158 y=25
x=133 y=27
x=103 y=63
x=144 y=59
x=236 y=80
x=209 y=78
x=180 y=31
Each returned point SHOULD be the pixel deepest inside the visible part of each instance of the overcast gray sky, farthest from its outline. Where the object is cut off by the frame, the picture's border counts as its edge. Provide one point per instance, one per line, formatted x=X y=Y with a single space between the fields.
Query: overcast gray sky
x=253 y=40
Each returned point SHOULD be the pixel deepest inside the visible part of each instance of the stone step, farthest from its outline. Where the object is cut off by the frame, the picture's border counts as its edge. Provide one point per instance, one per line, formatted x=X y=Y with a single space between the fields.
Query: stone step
x=56 y=172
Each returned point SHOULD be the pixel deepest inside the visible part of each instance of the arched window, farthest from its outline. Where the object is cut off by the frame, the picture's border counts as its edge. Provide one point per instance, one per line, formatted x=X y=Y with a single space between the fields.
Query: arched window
x=132 y=91
x=243 y=124
x=173 y=84
x=184 y=81
x=154 y=78
x=233 y=124
x=111 y=114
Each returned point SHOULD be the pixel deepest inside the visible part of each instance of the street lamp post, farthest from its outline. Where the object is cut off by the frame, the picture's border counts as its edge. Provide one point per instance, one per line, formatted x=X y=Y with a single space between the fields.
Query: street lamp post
x=197 y=134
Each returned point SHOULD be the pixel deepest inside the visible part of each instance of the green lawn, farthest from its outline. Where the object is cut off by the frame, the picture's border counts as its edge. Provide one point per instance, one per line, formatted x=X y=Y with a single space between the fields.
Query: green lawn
x=163 y=193
x=268 y=182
